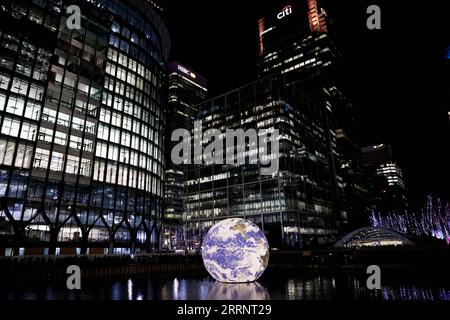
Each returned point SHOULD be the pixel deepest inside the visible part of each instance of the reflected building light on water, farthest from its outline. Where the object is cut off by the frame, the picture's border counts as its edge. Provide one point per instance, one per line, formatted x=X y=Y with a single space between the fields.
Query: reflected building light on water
x=444 y=294
x=130 y=289
x=415 y=294
x=116 y=291
x=237 y=291
x=204 y=290
x=175 y=289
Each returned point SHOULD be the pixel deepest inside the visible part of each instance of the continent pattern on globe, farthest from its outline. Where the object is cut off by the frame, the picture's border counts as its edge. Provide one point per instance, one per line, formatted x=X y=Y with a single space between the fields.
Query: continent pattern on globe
x=235 y=250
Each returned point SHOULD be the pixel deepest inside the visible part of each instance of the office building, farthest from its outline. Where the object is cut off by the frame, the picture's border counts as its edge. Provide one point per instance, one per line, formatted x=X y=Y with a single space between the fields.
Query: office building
x=385 y=179
x=186 y=89
x=297 y=40
x=81 y=141
x=295 y=206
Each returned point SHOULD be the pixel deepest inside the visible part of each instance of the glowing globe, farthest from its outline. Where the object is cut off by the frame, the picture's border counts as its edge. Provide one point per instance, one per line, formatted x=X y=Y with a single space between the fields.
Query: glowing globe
x=235 y=250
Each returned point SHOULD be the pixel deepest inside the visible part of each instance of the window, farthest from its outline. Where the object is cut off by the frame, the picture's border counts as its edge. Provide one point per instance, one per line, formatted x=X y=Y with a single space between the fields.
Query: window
x=41 y=158
x=113 y=153
x=101 y=150
x=85 y=168
x=105 y=115
x=18 y=187
x=77 y=123
x=23 y=70
x=15 y=105
x=4 y=81
x=88 y=145
x=24 y=155
x=118 y=103
x=126 y=139
x=112 y=54
x=45 y=135
x=60 y=138
x=19 y=86
x=99 y=170
x=36 y=92
x=124 y=46
x=63 y=119
x=57 y=162
x=83 y=88
x=103 y=132
x=135 y=142
x=116 y=119
x=111 y=173
x=123 y=59
x=127 y=123
x=128 y=107
x=72 y=165
x=2 y=101
x=75 y=142
x=124 y=155
x=49 y=115
x=115 y=27
x=115 y=135
x=28 y=131
x=110 y=69
x=33 y=110
x=6 y=152
x=10 y=127
x=90 y=127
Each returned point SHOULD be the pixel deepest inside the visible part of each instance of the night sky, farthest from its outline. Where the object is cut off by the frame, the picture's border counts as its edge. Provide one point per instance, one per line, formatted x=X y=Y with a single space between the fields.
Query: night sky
x=397 y=76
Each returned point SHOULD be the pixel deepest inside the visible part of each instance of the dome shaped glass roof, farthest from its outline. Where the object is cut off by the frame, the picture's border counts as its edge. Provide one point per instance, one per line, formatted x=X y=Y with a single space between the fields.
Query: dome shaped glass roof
x=373 y=237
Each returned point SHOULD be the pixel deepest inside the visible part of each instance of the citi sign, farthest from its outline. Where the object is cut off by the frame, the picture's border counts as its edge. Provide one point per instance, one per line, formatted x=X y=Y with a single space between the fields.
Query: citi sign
x=285 y=12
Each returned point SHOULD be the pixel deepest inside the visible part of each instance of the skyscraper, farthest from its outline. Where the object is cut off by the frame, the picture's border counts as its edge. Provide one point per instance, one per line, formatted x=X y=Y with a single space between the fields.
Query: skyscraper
x=298 y=41
x=81 y=143
x=387 y=187
x=295 y=204
x=186 y=90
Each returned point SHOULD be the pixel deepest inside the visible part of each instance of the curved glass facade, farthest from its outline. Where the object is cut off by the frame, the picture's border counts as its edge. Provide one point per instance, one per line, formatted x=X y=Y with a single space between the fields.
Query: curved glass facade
x=81 y=141
x=373 y=237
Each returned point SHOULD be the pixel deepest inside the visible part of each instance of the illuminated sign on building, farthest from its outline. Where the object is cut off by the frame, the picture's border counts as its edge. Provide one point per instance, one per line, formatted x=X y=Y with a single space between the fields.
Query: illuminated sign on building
x=187 y=72
x=285 y=12
x=175 y=67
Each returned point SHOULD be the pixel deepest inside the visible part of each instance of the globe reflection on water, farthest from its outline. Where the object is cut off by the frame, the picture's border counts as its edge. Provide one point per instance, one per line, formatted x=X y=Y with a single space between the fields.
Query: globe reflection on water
x=237 y=291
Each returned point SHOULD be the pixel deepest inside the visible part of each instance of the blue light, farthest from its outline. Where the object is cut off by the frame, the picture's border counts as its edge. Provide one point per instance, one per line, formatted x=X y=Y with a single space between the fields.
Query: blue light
x=447 y=53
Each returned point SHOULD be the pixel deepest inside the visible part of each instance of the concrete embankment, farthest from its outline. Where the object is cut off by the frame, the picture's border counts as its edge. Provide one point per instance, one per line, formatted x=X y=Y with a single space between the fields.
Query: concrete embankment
x=53 y=268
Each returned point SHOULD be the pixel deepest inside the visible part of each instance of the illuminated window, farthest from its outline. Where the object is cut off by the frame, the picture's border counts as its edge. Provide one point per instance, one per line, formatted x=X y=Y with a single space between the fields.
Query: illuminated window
x=63 y=119
x=19 y=86
x=72 y=164
x=60 y=138
x=24 y=155
x=41 y=158
x=2 y=101
x=57 y=162
x=28 y=131
x=10 y=127
x=75 y=142
x=15 y=105
x=32 y=111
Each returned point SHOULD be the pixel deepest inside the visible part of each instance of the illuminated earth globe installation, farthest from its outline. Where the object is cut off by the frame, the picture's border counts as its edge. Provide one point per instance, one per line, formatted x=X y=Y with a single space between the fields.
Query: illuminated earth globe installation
x=235 y=250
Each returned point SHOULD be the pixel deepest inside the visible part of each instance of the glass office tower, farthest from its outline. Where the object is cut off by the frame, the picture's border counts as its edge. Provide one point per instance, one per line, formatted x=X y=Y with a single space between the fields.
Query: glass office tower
x=385 y=177
x=297 y=40
x=186 y=90
x=81 y=141
x=295 y=205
